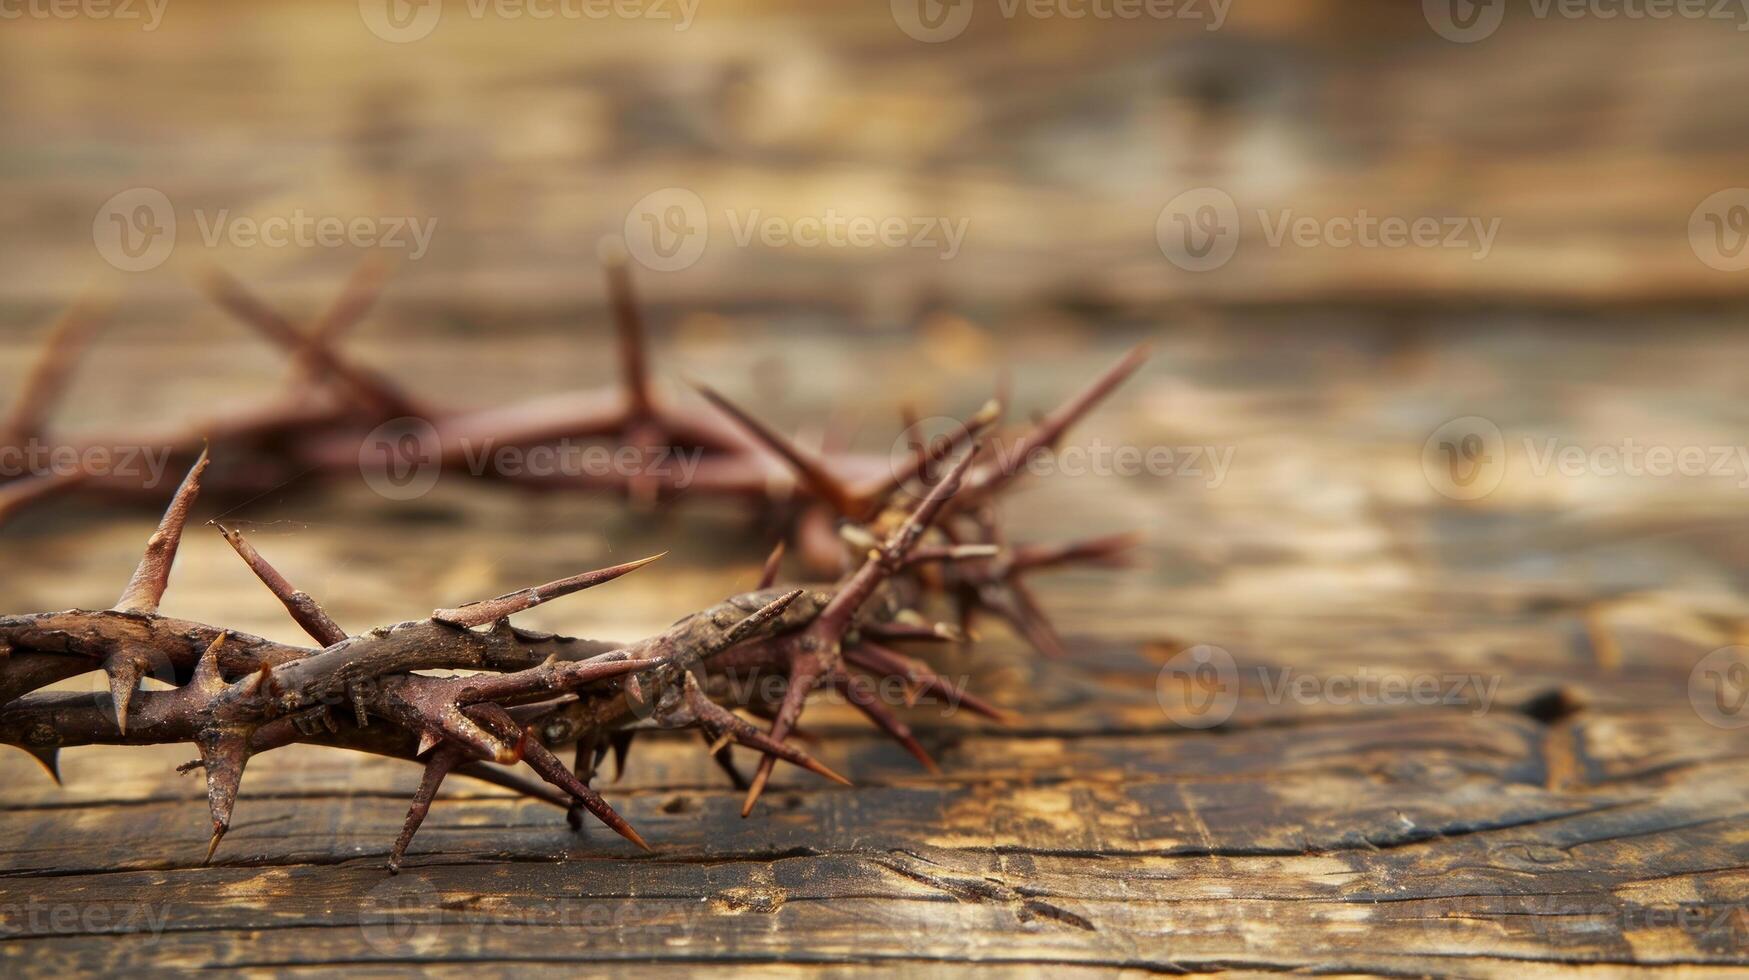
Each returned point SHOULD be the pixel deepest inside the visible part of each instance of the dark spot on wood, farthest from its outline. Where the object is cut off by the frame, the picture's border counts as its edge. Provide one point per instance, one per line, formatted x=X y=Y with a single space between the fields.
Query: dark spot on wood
x=679 y=804
x=1552 y=706
x=1044 y=910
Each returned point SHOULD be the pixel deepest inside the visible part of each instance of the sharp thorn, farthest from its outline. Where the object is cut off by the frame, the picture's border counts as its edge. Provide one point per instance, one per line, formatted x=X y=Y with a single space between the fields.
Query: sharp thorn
x=146 y=588
x=773 y=563
x=49 y=757
x=492 y=610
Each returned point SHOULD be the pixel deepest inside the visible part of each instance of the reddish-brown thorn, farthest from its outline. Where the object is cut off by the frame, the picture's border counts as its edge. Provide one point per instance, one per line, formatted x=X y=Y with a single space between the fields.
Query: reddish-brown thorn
x=881 y=563
x=372 y=392
x=47 y=379
x=492 y=610
x=1022 y=612
x=356 y=298
x=721 y=758
x=18 y=494
x=223 y=755
x=856 y=690
x=802 y=677
x=809 y=468
x=544 y=762
x=882 y=660
x=1051 y=428
x=935 y=451
x=146 y=588
x=304 y=610
x=634 y=363
x=49 y=757
x=124 y=668
x=727 y=727
x=1092 y=550
x=437 y=767
x=773 y=563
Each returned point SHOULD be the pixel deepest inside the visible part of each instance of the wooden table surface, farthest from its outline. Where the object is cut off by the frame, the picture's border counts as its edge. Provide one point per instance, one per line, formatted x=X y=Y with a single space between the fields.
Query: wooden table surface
x=1561 y=806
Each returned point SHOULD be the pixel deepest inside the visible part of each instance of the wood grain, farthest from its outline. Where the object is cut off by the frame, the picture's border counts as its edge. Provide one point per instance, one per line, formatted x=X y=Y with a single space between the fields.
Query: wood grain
x=1571 y=812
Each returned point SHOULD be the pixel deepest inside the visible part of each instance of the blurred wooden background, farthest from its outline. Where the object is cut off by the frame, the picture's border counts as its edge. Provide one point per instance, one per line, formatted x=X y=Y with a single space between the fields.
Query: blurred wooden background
x=1057 y=141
